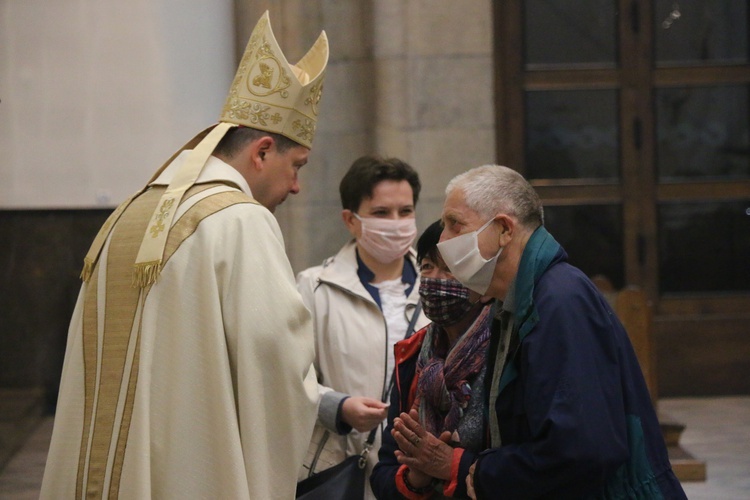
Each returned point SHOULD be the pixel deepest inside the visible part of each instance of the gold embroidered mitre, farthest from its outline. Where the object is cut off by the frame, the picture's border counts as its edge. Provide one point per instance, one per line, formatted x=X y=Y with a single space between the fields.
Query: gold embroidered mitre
x=267 y=94
x=270 y=94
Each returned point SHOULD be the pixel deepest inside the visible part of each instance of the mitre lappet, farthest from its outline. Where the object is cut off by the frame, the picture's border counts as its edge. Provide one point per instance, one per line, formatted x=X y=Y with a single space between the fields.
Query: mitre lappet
x=268 y=94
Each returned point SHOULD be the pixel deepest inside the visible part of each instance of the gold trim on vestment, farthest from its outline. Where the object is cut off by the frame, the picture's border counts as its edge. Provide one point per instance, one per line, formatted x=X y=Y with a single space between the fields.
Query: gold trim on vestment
x=148 y=262
x=89 y=372
x=106 y=378
x=120 y=305
x=96 y=246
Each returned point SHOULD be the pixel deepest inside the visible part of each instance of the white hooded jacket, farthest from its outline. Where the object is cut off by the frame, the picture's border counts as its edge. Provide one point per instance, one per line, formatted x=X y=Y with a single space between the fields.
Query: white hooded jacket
x=351 y=339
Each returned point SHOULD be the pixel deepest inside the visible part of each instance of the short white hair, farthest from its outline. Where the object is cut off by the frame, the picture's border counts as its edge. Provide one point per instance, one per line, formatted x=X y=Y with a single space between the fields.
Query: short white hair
x=492 y=189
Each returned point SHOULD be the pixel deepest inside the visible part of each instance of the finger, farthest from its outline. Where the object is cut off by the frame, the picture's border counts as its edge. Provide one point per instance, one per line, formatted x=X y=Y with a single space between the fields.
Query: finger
x=412 y=437
x=381 y=413
x=403 y=427
x=409 y=461
x=403 y=442
x=416 y=426
x=371 y=402
x=371 y=411
x=408 y=435
x=412 y=422
x=409 y=422
x=407 y=418
x=414 y=414
x=402 y=457
x=408 y=447
x=398 y=435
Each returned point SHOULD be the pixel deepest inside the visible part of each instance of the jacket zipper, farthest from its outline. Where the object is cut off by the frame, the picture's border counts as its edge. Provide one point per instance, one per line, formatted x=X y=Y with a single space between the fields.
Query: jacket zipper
x=385 y=324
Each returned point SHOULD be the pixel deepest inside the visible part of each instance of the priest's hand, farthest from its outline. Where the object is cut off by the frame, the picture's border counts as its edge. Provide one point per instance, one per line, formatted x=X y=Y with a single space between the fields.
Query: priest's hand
x=420 y=450
x=364 y=414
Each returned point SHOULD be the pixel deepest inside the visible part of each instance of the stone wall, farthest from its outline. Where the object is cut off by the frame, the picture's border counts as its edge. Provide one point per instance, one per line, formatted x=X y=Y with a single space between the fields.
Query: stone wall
x=406 y=78
x=411 y=79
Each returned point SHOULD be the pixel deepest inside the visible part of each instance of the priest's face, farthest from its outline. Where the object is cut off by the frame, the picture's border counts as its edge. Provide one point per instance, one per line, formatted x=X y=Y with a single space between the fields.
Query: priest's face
x=279 y=177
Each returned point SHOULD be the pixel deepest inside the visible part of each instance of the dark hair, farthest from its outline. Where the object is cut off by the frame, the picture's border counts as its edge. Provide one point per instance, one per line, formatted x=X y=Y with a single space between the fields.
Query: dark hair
x=427 y=242
x=367 y=171
x=237 y=138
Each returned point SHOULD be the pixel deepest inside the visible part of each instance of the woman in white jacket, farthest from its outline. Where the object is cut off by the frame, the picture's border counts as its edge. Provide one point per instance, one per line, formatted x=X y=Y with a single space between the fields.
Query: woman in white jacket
x=362 y=301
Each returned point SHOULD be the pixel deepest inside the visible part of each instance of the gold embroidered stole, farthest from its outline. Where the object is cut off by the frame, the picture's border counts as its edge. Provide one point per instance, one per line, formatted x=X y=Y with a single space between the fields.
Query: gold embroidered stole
x=111 y=333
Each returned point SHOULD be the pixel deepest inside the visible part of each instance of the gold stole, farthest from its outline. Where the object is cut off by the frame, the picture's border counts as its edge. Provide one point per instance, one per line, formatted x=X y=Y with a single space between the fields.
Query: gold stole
x=111 y=359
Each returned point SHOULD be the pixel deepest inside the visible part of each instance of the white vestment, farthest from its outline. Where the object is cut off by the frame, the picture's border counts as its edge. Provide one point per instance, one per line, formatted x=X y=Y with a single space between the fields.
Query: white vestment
x=200 y=385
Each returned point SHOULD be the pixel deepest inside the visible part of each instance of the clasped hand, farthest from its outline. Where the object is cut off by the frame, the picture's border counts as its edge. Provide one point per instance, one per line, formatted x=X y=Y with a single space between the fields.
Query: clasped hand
x=426 y=455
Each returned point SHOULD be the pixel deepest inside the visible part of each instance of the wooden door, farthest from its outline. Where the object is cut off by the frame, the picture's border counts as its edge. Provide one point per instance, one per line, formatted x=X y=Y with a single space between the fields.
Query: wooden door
x=632 y=120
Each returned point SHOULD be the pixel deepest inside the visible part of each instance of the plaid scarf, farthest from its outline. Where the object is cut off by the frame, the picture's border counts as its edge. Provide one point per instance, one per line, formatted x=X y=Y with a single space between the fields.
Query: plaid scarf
x=443 y=389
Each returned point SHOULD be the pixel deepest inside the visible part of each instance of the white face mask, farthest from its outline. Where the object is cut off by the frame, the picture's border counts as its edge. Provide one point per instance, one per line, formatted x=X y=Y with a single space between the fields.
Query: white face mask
x=387 y=239
x=461 y=255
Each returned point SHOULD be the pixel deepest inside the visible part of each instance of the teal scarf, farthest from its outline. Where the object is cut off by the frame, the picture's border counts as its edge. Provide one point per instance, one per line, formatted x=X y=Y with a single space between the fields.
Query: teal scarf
x=539 y=253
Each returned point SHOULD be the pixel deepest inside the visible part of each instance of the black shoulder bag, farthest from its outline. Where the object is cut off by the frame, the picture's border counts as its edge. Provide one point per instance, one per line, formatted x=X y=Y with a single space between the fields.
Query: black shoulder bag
x=345 y=481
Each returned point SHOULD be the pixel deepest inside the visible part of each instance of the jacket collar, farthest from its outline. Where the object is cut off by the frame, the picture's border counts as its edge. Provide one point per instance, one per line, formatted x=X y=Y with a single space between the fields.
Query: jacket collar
x=342 y=270
x=409 y=347
x=408 y=276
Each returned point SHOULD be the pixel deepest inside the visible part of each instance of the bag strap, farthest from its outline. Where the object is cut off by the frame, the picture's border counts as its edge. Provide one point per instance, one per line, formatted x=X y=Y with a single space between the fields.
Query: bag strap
x=413 y=320
x=409 y=333
x=371 y=436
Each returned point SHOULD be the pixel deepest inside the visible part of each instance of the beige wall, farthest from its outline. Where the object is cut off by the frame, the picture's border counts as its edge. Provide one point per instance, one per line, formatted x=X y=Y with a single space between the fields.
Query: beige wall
x=411 y=79
x=96 y=94
x=111 y=100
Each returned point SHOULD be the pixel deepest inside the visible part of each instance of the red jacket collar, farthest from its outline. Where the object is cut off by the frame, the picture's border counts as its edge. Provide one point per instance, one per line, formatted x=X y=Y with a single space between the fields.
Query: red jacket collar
x=405 y=349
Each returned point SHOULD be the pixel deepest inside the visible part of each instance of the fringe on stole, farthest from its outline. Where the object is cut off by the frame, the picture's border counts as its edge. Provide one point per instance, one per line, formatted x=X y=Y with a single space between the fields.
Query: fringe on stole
x=88 y=269
x=146 y=273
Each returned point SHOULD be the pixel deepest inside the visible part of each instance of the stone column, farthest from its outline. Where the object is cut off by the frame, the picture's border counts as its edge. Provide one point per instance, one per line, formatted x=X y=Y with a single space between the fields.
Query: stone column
x=411 y=79
x=434 y=90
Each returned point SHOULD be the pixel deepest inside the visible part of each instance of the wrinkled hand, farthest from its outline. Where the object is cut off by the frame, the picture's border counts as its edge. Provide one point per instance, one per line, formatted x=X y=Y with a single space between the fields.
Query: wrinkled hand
x=470 y=482
x=420 y=450
x=364 y=414
x=418 y=479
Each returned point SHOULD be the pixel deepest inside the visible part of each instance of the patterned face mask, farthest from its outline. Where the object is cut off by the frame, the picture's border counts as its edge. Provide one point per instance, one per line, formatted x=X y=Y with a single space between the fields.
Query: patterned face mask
x=444 y=301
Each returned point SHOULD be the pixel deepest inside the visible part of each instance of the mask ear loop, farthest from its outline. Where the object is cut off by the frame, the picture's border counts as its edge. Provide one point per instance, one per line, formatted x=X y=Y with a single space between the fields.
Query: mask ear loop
x=485 y=226
x=361 y=221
